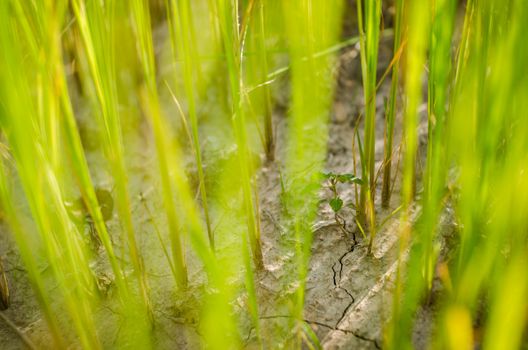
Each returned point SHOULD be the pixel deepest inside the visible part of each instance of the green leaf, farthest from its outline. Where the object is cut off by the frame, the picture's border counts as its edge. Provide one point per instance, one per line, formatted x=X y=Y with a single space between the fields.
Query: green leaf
x=336 y=204
x=357 y=180
x=327 y=175
x=351 y=178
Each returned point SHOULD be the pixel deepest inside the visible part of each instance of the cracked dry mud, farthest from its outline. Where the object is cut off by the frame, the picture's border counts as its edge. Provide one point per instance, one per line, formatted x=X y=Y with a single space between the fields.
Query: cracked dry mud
x=348 y=291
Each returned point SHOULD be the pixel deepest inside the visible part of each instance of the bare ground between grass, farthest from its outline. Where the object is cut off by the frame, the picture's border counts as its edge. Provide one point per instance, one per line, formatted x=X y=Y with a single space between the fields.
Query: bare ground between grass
x=348 y=292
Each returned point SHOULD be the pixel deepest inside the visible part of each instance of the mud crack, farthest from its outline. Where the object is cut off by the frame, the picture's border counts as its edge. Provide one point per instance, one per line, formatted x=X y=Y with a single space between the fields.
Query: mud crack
x=337 y=276
x=322 y=324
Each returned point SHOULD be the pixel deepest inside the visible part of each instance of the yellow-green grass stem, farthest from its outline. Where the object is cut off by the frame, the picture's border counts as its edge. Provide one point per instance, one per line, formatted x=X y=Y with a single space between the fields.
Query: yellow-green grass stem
x=310 y=27
x=405 y=297
x=369 y=17
x=181 y=30
x=391 y=108
x=161 y=135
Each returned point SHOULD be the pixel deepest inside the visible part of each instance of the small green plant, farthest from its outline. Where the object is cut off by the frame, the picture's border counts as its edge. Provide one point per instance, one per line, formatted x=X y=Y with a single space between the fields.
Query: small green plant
x=336 y=202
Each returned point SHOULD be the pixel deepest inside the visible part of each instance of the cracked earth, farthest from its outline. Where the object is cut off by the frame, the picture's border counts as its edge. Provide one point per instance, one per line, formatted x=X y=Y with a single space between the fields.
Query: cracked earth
x=348 y=294
x=348 y=291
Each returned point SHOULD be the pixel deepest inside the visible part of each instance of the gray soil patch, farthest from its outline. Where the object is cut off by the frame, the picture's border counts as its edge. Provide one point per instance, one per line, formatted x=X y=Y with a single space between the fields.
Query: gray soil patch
x=348 y=291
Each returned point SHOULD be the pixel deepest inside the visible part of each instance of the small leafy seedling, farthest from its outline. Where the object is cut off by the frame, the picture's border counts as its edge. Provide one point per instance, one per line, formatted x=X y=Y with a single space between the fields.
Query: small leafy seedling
x=336 y=202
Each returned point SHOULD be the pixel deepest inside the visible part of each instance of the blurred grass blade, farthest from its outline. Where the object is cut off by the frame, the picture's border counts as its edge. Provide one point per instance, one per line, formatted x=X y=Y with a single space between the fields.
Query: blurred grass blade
x=161 y=135
x=181 y=31
x=369 y=17
x=391 y=109
x=312 y=27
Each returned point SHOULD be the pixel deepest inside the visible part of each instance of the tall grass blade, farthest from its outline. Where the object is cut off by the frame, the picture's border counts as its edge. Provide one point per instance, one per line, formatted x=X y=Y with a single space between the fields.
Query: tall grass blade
x=182 y=29
x=312 y=91
x=162 y=136
x=391 y=109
